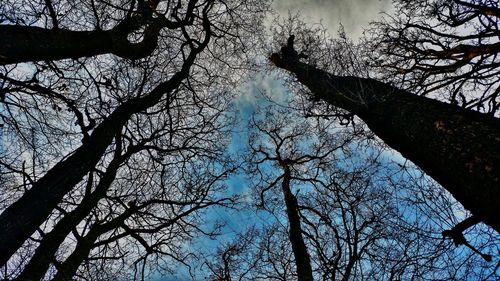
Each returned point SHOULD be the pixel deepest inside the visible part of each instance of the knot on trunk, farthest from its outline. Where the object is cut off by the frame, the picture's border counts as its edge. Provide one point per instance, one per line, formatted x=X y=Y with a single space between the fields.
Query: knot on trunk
x=287 y=55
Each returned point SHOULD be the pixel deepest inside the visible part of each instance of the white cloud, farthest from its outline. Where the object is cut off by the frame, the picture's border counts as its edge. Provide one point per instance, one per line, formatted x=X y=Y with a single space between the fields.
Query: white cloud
x=261 y=90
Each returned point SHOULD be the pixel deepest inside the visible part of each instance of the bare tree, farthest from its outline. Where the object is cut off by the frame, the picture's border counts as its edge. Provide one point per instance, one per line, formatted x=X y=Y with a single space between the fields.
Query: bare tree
x=134 y=200
x=24 y=42
x=296 y=149
x=76 y=123
x=20 y=222
x=351 y=214
x=255 y=254
x=454 y=145
x=236 y=259
x=442 y=48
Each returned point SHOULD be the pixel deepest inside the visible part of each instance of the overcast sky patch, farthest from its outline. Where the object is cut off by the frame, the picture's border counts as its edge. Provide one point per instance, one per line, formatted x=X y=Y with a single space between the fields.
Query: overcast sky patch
x=355 y=15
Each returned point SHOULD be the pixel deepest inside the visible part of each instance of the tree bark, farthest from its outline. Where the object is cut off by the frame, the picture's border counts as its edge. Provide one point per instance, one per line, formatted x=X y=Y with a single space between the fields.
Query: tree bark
x=24 y=216
x=29 y=43
x=302 y=260
x=457 y=147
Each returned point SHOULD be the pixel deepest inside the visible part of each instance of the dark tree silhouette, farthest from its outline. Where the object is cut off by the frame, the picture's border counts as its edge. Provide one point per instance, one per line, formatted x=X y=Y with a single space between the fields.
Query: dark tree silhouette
x=236 y=259
x=454 y=145
x=286 y=163
x=83 y=119
x=115 y=113
x=19 y=222
x=21 y=43
x=338 y=208
x=446 y=49
x=277 y=142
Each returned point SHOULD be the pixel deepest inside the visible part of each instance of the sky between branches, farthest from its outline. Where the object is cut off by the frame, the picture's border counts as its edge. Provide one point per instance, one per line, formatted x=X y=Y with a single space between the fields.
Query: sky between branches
x=354 y=15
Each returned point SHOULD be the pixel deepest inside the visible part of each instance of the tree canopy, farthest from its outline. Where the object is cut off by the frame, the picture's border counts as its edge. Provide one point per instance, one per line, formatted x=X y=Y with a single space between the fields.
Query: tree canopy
x=126 y=125
x=455 y=145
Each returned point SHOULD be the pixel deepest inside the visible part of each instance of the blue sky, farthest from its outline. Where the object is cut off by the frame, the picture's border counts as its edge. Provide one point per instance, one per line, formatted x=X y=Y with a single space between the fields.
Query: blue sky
x=263 y=91
x=268 y=89
x=260 y=91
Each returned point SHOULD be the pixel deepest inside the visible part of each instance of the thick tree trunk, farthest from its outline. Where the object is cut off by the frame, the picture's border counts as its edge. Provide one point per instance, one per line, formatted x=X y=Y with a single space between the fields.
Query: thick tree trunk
x=28 y=43
x=457 y=147
x=24 y=216
x=302 y=260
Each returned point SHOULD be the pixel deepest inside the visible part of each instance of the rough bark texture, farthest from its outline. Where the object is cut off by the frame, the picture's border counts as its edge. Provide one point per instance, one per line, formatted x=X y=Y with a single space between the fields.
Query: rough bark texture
x=302 y=260
x=457 y=147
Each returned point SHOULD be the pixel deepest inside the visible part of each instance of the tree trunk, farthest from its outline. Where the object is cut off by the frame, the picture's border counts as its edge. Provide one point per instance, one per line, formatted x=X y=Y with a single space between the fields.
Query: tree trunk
x=29 y=43
x=45 y=252
x=457 y=147
x=302 y=261
x=24 y=216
